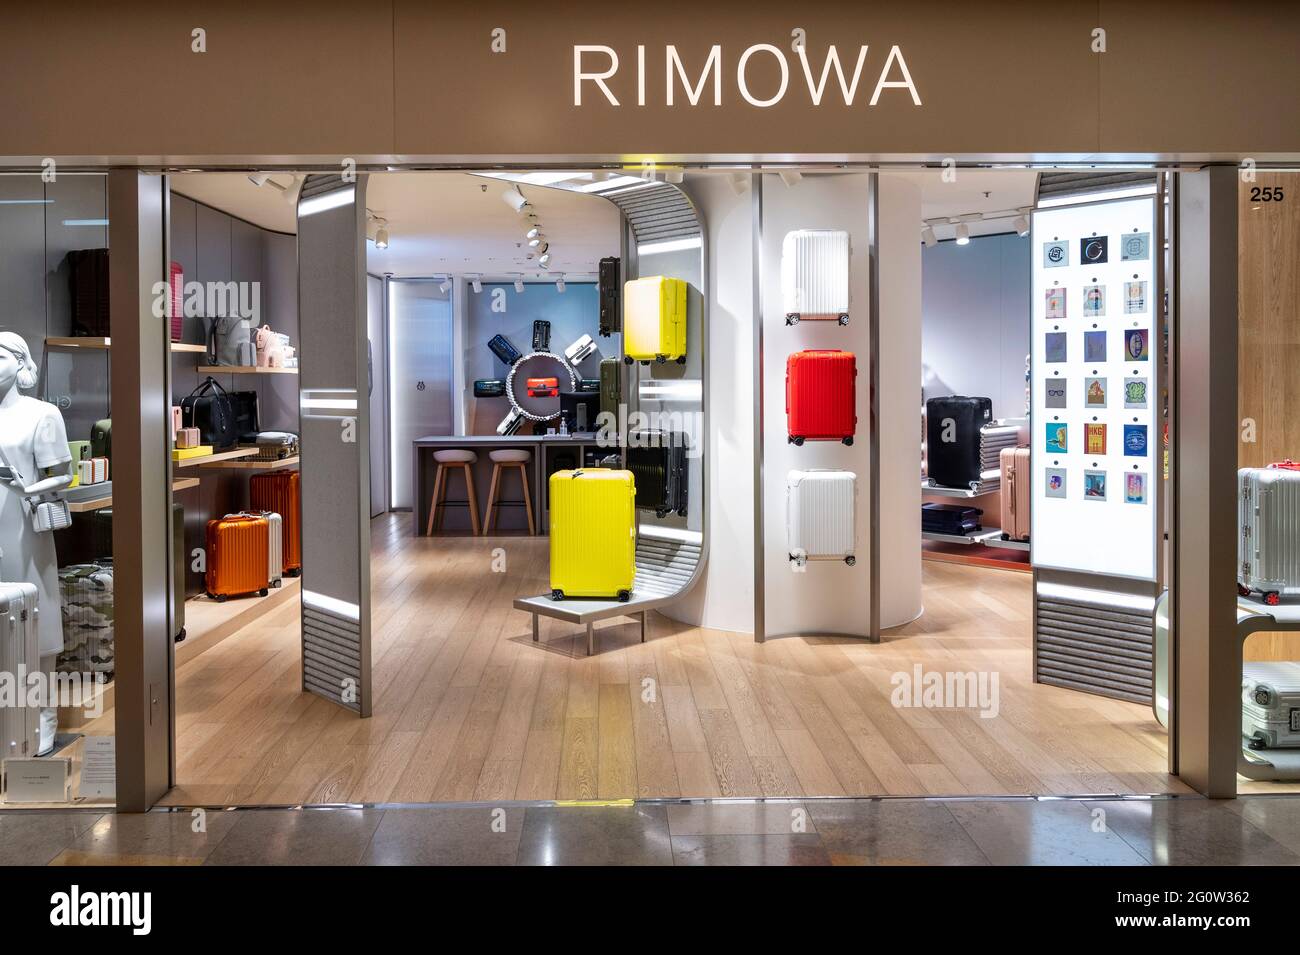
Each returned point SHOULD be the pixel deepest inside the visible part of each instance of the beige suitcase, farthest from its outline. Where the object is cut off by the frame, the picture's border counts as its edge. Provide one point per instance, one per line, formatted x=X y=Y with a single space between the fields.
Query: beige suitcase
x=1014 y=463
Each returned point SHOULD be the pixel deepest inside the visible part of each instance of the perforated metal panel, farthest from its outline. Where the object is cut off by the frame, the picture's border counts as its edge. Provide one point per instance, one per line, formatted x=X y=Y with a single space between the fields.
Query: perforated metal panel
x=331 y=656
x=1053 y=184
x=1093 y=647
x=665 y=566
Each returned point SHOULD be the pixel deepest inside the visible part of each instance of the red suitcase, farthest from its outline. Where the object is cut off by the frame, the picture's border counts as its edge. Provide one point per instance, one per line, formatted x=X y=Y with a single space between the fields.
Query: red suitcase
x=820 y=399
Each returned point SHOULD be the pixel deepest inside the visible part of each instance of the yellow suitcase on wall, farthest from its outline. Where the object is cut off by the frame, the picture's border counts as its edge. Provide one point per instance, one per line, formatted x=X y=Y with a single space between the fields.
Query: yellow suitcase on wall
x=654 y=320
x=593 y=533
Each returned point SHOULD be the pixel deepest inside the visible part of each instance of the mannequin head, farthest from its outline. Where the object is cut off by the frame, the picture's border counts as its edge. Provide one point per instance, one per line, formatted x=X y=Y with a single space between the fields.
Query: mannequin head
x=16 y=363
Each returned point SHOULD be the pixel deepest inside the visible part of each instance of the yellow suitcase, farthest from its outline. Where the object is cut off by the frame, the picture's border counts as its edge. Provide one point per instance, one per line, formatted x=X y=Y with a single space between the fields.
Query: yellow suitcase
x=593 y=533
x=654 y=320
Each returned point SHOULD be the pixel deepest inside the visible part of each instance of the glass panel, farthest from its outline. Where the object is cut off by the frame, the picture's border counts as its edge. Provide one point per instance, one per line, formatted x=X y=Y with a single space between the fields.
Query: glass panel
x=420 y=373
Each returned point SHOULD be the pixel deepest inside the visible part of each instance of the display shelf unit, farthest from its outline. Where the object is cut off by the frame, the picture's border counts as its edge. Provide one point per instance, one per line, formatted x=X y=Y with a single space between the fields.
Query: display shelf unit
x=987 y=487
x=243 y=370
x=994 y=539
x=213 y=458
x=102 y=344
x=290 y=462
x=96 y=503
x=966 y=540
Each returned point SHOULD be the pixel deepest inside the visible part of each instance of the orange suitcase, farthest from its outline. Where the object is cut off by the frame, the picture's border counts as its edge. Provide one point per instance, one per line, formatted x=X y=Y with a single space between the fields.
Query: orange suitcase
x=1015 y=493
x=279 y=491
x=238 y=555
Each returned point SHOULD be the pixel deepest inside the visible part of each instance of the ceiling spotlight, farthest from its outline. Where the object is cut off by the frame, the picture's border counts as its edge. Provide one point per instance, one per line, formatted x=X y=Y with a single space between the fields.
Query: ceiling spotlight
x=536 y=241
x=739 y=182
x=544 y=260
x=381 y=237
x=791 y=178
x=534 y=233
x=928 y=237
x=963 y=234
x=515 y=200
x=259 y=178
x=478 y=284
x=519 y=284
x=1021 y=225
x=674 y=175
x=445 y=285
x=559 y=283
x=291 y=191
x=540 y=246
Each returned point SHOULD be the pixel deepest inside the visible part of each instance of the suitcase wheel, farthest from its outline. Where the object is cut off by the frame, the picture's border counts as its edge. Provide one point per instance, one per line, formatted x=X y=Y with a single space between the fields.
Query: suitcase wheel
x=296 y=572
x=844 y=319
x=180 y=636
x=624 y=596
x=681 y=512
x=848 y=440
x=850 y=560
x=797 y=442
x=557 y=594
x=264 y=591
x=1272 y=598
x=660 y=512
x=277 y=584
x=219 y=598
x=660 y=359
x=1243 y=590
x=1255 y=742
x=681 y=359
x=627 y=359
x=792 y=319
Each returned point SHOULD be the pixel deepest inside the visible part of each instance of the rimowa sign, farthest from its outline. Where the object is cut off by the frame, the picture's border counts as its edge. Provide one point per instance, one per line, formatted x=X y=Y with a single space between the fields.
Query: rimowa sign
x=599 y=70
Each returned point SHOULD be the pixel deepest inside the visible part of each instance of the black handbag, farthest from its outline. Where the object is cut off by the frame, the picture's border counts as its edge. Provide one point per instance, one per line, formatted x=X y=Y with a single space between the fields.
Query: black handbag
x=209 y=408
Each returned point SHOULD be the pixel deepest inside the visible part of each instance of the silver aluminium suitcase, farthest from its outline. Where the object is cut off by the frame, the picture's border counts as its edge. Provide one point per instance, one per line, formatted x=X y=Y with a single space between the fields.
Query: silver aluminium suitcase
x=1270 y=705
x=820 y=506
x=1268 y=549
x=20 y=653
x=275 y=552
x=815 y=275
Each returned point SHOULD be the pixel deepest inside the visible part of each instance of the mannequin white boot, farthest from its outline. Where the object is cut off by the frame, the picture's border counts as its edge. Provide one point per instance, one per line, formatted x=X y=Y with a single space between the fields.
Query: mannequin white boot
x=49 y=729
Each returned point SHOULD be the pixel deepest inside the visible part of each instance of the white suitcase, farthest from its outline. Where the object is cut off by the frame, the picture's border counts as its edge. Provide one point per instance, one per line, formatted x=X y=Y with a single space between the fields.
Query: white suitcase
x=20 y=653
x=275 y=553
x=1268 y=548
x=815 y=275
x=820 y=506
x=1270 y=705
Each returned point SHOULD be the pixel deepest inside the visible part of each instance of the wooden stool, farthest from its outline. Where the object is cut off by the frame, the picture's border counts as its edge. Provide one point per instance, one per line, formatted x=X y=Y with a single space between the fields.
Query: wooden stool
x=508 y=458
x=447 y=461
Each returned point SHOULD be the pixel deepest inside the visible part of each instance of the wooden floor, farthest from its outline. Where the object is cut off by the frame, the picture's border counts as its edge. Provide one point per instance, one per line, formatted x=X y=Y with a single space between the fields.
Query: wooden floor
x=467 y=707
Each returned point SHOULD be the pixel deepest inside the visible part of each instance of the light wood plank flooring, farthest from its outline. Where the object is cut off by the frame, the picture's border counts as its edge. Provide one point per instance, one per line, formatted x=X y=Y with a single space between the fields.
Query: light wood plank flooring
x=467 y=707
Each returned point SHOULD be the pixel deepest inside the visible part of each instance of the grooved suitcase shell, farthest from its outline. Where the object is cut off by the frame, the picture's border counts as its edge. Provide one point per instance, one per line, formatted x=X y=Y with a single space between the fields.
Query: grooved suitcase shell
x=274 y=542
x=820 y=513
x=815 y=274
x=237 y=551
x=1268 y=541
x=1015 y=495
x=1270 y=722
x=658 y=464
x=654 y=318
x=593 y=532
x=821 y=394
x=20 y=645
x=958 y=462
x=280 y=491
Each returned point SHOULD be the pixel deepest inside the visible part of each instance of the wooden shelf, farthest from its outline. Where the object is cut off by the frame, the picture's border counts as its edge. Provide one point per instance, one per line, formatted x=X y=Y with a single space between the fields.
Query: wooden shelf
x=256 y=465
x=244 y=370
x=95 y=504
x=212 y=458
x=101 y=344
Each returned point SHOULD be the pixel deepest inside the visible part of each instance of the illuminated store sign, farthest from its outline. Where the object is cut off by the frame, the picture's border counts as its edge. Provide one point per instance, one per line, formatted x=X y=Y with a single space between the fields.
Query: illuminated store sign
x=595 y=65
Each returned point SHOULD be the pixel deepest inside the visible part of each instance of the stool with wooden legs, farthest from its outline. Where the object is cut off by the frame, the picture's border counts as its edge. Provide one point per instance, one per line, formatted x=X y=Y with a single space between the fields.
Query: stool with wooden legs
x=448 y=461
x=503 y=459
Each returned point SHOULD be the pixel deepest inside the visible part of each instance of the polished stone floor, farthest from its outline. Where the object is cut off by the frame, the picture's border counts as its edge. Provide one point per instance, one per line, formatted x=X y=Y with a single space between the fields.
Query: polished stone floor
x=1182 y=830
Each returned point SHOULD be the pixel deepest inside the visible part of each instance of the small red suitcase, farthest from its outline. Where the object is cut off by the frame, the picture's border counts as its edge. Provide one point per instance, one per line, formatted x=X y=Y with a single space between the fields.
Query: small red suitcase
x=820 y=396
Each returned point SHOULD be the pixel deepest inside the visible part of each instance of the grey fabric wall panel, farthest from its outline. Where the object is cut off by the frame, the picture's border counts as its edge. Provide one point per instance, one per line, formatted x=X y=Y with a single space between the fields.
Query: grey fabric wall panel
x=76 y=381
x=22 y=263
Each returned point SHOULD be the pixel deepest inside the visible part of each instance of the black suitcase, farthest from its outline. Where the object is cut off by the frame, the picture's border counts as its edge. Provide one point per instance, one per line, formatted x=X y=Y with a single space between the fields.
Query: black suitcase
x=490 y=388
x=952 y=439
x=950 y=518
x=657 y=460
x=210 y=409
x=611 y=391
x=88 y=288
x=541 y=335
x=501 y=347
x=611 y=293
x=248 y=417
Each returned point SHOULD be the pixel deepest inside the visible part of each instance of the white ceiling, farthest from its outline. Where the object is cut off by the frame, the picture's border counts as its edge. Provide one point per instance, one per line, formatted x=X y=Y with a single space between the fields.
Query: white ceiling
x=970 y=191
x=441 y=222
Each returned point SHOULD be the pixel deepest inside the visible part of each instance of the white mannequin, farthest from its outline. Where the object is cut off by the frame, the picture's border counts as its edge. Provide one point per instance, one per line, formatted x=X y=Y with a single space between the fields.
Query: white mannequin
x=34 y=443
